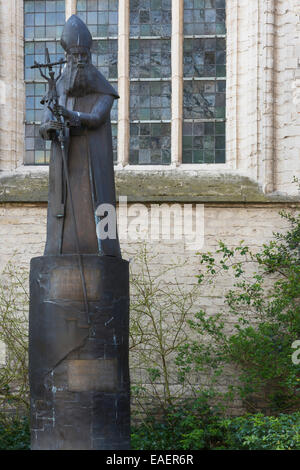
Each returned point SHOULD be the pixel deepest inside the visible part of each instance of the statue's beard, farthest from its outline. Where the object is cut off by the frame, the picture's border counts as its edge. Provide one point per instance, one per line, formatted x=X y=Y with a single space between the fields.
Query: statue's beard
x=80 y=82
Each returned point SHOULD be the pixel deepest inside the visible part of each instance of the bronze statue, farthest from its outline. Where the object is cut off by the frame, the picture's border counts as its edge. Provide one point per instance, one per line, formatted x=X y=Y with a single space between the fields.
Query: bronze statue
x=83 y=100
x=79 y=289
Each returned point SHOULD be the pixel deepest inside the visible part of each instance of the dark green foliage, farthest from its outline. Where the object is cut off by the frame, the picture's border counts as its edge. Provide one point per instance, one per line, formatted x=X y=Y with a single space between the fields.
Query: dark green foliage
x=259 y=432
x=14 y=433
x=190 y=425
x=189 y=428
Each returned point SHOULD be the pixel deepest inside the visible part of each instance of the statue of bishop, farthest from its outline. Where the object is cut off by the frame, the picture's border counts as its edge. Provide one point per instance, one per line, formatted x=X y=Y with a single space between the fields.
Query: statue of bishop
x=85 y=99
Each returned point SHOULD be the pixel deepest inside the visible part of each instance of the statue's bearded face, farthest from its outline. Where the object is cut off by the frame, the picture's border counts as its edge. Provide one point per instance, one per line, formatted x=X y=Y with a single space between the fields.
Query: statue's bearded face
x=79 y=58
x=79 y=63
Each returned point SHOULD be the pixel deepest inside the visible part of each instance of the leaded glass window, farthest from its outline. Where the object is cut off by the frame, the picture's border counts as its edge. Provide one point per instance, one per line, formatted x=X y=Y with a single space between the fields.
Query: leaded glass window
x=150 y=18
x=101 y=17
x=43 y=24
x=150 y=82
x=204 y=90
x=43 y=18
x=150 y=101
x=204 y=70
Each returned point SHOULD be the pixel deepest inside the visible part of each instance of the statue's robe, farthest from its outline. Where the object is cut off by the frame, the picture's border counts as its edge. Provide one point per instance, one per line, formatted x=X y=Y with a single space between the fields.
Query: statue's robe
x=90 y=164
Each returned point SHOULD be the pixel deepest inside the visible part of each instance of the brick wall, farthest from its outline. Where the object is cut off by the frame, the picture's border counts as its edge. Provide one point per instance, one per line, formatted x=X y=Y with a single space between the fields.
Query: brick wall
x=23 y=227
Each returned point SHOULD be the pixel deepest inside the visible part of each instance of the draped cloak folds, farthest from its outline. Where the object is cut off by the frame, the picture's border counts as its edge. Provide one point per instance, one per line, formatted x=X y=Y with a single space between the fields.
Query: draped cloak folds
x=90 y=164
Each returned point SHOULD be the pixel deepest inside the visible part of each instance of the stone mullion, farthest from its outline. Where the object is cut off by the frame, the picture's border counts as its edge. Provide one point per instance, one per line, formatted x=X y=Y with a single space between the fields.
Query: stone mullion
x=232 y=83
x=177 y=81
x=268 y=104
x=123 y=83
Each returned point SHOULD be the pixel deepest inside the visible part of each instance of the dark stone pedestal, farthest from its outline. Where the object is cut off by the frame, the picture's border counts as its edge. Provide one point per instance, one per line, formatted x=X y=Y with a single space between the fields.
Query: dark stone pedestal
x=79 y=376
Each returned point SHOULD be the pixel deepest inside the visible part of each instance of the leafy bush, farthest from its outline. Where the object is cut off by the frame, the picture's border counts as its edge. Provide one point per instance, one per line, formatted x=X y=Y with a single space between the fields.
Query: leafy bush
x=259 y=432
x=190 y=425
x=265 y=306
x=14 y=433
x=186 y=428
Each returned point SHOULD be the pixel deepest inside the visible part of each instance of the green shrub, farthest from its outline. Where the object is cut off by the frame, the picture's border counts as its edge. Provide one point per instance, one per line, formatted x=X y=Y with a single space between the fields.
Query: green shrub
x=186 y=428
x=264 y=304
x=190 y=425
x=259 y=432
x=14 y=433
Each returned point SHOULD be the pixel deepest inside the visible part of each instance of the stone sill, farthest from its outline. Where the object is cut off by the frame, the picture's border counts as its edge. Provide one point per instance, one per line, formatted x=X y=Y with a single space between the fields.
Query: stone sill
x=30 y=185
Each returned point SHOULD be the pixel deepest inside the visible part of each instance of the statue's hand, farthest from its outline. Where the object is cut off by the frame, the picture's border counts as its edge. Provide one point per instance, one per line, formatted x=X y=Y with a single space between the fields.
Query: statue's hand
x=48 y=129
x=53 y=126
x=62 y=111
